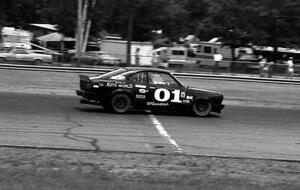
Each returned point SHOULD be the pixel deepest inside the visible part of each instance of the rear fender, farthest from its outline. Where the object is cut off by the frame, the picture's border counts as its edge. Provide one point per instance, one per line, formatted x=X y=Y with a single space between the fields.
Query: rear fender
x=84 y=78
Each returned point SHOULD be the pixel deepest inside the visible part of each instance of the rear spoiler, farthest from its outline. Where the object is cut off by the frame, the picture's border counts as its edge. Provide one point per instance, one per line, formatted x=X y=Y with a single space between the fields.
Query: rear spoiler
x=84 y=78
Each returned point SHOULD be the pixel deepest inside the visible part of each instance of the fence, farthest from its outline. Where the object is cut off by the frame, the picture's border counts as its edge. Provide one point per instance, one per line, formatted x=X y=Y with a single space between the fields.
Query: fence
x=195 y=65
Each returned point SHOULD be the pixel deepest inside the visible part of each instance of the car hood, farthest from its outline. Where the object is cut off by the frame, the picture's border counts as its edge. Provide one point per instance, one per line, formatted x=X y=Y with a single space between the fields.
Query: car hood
x=202 y=91
x=205 y=94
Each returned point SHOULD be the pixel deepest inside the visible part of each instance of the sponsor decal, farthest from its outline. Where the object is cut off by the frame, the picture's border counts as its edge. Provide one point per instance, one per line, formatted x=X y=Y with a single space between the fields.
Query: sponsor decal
x=182 y=94
x=157 y=104
x=126 y=85
x=140 y=96
x=140 y=86
x=142 y=91
x=112 y=84
x=189 y=97
x=95 y=86
x=101 y=84
x=186 y=101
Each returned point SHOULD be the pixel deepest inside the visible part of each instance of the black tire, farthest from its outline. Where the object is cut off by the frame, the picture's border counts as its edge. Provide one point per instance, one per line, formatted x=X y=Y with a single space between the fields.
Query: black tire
x=38 y=62
x=120 y=103
x=3 y=59
x=201 y=108
x=95 y=62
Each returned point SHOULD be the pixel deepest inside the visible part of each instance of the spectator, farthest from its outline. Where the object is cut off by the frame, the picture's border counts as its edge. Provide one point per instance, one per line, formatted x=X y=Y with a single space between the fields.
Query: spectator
x=137 y=56
x=284 y=59
x=270 y=69
x=263 y=67
x=218 y=57
x=290 y=67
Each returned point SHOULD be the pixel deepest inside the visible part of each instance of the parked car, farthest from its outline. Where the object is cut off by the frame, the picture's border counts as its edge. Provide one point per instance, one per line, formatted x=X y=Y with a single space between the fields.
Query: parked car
x=98 y=58
x=146 y=89
x=25 y=55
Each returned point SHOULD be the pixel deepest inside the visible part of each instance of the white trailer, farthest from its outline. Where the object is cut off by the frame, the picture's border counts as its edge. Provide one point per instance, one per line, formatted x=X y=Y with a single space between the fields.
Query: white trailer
x=118 y=48
x=16 y=38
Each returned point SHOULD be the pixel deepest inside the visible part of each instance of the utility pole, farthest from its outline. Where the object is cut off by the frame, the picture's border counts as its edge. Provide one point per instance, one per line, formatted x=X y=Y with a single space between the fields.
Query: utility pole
x=83 y=25
x=79 y=29
x=88 y=27
x=129 y=36
x=2 y=8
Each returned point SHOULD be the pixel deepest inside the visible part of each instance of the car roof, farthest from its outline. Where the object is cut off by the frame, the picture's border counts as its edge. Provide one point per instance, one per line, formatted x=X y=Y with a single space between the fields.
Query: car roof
x=149 y=69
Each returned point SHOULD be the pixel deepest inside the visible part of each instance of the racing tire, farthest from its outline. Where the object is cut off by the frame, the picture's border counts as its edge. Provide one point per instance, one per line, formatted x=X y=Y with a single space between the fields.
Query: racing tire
x=120 y=103
x=201 y=108
x=3 y=59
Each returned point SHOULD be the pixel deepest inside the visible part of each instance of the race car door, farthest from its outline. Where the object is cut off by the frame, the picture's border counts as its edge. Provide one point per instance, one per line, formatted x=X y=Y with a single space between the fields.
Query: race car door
x=164 y=92
x=138 y=81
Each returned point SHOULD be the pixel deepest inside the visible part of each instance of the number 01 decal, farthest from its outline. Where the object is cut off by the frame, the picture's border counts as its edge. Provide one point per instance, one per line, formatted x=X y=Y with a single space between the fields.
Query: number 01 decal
x=163 y=95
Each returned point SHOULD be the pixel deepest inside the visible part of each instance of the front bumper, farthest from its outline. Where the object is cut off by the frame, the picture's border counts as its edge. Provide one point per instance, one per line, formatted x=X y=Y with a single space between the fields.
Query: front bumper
x=217 y=108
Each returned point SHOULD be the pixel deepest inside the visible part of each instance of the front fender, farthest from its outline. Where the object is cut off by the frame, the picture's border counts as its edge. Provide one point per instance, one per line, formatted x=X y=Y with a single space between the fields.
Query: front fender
x=201 y=98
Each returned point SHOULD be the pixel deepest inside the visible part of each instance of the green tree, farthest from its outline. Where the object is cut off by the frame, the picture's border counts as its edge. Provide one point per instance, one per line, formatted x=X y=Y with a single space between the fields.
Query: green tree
x=264 y=22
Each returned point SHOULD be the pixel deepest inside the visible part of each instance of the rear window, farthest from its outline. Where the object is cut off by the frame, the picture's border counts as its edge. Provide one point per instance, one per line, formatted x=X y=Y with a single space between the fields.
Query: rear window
x=177 y=52
x=110 y=74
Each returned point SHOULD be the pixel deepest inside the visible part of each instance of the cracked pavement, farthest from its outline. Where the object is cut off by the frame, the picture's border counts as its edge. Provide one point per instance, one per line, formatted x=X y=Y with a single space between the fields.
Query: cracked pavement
x=76 y=137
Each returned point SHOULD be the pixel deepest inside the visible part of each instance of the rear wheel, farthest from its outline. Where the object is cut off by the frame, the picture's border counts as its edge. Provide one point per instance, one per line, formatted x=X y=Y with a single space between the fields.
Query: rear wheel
x=201 y=108
x=120 y=103
x=2 y=60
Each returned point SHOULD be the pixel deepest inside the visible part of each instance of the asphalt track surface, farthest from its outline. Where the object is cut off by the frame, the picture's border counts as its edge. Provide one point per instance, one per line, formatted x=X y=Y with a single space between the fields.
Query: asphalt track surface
x=53 y=121
x=43 y=113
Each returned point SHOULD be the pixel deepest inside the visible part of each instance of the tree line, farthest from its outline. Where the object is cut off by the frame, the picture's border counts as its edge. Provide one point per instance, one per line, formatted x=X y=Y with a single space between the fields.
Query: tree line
x=261 y=22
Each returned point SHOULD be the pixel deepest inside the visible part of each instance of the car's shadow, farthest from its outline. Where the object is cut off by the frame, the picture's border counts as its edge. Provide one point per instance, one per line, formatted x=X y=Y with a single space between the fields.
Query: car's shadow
x=142 y=112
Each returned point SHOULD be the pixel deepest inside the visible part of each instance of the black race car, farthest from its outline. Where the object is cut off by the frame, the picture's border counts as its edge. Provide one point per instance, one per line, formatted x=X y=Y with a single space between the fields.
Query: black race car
x=146 y=89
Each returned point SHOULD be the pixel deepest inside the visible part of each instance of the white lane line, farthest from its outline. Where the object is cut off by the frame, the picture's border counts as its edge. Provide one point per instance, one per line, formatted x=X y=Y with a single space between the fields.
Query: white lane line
x=162 y=131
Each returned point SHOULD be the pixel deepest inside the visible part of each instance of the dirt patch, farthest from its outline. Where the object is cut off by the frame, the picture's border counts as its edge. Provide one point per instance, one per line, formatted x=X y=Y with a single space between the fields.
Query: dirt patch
x=53 y=169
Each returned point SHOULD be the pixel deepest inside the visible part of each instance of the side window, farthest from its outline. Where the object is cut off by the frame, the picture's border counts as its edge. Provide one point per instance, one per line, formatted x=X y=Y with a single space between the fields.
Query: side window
x=138 y=78
x=199 y=49
x=19 y=52
x=207 y=49
x=162 y=80
x=215 y=50
x=177 y=52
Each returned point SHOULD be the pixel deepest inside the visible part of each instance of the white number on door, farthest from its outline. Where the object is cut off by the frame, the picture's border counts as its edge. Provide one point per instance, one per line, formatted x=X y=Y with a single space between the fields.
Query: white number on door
x=163 y=95
x=176 y=96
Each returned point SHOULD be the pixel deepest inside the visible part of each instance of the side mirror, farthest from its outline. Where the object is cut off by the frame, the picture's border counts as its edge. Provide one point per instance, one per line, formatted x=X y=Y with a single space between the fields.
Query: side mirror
x=187 y=87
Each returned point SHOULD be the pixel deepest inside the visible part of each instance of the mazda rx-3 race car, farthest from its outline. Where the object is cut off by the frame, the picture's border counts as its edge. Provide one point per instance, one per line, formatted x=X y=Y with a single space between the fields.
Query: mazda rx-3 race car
x=146 y=89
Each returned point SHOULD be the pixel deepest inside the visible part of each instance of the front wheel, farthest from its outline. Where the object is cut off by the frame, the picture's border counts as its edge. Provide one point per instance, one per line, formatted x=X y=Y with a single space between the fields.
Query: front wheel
x=120 y=103
x=201 y=108
x=38 y=62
